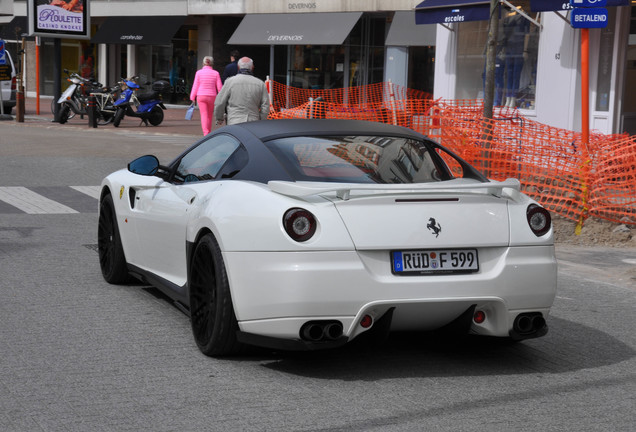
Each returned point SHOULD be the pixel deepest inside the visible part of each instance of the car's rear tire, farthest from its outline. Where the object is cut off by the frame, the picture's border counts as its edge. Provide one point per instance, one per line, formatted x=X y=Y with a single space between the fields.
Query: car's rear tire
x=119 y=115
x=214 y=324
x=111 y=253
x=156 y=116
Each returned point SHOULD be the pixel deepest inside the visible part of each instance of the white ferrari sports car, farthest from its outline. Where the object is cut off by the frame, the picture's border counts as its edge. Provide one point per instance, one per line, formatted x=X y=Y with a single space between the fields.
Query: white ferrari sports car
x=305 y=234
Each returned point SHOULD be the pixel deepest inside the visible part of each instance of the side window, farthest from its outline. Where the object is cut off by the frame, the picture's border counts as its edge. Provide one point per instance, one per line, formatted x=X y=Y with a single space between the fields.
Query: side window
x=221 y=156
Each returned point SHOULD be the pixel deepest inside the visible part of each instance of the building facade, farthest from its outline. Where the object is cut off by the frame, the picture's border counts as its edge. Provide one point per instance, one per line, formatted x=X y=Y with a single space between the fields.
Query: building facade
x=340 y=43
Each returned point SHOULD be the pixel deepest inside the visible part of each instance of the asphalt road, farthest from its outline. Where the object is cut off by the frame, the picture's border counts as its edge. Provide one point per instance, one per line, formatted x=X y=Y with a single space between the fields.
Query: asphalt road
x=77 y=354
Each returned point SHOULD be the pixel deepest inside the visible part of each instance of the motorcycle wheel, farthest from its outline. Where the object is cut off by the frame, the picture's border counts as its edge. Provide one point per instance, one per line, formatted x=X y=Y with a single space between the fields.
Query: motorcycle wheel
x=71 y=114
x=119 y=115
x=104 y=117
x=156 y=116
x=63 y=115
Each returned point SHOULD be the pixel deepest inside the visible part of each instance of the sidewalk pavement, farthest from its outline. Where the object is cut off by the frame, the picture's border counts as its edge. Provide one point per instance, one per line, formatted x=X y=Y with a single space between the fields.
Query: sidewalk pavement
x=174 y=121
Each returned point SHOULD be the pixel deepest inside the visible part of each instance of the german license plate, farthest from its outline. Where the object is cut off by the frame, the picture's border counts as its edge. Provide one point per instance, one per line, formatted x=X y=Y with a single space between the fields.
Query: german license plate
x=422 y=262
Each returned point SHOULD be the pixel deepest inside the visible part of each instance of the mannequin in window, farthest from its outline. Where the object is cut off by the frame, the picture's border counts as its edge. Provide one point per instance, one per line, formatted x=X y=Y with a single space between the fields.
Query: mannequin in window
x=516 y=28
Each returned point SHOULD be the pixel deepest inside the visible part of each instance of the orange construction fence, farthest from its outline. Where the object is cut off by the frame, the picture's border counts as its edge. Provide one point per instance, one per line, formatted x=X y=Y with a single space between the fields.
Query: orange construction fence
x=553 y=165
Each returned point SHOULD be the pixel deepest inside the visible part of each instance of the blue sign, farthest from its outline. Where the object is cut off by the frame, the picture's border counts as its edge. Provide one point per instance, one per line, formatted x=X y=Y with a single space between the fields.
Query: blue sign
x=588 y=3
x=589 y=18
x=454 y=14
x=3 y=56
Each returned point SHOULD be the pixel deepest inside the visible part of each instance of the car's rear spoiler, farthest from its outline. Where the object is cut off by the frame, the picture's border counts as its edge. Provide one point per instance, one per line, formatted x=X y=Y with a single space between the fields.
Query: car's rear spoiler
x=510 y=187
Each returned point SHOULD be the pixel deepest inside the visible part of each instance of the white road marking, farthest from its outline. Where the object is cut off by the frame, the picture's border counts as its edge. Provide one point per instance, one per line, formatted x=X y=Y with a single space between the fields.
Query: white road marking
x=91 y=191
x=31 y=202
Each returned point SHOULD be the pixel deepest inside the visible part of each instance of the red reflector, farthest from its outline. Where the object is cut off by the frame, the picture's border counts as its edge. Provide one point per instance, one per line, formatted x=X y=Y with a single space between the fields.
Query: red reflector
x=366 y=321
x=479 y=317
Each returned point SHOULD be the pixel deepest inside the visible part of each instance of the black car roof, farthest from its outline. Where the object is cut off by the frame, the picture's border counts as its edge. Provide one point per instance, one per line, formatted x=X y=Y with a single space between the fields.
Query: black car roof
x=266 y=130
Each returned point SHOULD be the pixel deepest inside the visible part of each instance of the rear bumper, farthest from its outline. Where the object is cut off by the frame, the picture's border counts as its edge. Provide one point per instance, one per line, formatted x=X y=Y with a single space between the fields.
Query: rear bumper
x=283 y=290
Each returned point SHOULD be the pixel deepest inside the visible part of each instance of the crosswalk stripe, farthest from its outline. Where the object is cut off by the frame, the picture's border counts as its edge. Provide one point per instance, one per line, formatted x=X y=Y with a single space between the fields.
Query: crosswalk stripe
x=91 y=191
x=31 y=202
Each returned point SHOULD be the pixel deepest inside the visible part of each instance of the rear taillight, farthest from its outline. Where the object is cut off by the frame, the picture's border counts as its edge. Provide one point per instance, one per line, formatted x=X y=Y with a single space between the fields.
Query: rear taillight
x=539 y=219
x=14 y=83
x=299 y=224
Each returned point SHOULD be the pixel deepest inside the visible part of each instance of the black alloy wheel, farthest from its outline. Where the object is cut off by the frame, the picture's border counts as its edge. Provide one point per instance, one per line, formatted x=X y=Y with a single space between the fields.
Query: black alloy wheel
x=214 y=324
x=112 y=260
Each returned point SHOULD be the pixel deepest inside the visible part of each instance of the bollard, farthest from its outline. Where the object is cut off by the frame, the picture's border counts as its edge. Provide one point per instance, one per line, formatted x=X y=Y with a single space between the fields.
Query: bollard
x=19 y=106
x=91 y=108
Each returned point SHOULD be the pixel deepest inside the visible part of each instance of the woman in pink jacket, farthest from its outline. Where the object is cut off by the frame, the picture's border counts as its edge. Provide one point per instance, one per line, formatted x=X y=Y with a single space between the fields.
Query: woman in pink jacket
x=207 y=84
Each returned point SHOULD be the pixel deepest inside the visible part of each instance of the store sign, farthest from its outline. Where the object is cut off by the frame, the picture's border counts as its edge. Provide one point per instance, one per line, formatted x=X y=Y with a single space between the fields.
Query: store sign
x=559 y=5
x=589 y=18
x=588 y=3
x=59 y=19
x=444 y=12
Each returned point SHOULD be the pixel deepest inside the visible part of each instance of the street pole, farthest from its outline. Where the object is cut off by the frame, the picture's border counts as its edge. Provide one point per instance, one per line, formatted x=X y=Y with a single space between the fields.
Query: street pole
x=491 y=55
x=585 y=85
x=489 y=84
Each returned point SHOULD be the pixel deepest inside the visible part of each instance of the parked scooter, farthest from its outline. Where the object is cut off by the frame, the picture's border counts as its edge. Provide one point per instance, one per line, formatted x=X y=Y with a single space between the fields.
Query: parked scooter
x=74 y=99
x=149 y=106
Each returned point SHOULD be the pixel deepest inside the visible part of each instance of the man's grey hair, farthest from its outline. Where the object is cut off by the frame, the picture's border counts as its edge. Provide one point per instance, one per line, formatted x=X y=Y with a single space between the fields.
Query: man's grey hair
x=245 y=63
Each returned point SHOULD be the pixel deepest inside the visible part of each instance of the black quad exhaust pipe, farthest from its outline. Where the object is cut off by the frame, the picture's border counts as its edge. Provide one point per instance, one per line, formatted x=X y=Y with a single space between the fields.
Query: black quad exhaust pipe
x=321 y=331
x=529 y=325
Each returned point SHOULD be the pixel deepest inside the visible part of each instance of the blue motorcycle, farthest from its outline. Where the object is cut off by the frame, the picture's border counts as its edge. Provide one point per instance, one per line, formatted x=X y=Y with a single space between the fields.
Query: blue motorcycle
x=149 y=106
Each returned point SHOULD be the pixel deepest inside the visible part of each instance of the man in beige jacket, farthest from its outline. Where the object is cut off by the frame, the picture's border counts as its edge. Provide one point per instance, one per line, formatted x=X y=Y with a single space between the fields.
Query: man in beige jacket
x=243 y=97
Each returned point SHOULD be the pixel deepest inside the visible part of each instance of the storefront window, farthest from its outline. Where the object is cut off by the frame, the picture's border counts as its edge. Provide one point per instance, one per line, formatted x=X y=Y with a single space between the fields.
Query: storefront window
x=316 y=66
x=77 y=56
x=421 y=68
x=175 y=63
x=629 y=96
x=516 y=60
x=359 y=61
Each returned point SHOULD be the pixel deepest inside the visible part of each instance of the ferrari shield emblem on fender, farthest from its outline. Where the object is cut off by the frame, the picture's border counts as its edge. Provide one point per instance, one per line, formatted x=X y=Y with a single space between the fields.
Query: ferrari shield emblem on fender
x=121 y=192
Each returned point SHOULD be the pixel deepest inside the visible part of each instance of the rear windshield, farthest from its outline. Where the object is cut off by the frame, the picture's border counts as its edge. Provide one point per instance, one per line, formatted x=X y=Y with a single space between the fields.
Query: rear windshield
x=359 y=159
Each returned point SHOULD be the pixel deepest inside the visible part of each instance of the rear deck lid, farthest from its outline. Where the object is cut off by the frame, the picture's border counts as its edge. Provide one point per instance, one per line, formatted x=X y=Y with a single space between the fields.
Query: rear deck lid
x=453 y=214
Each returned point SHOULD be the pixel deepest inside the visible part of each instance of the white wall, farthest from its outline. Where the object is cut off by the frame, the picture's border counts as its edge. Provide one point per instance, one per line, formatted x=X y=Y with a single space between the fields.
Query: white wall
x=445 y=63
x=558 y=82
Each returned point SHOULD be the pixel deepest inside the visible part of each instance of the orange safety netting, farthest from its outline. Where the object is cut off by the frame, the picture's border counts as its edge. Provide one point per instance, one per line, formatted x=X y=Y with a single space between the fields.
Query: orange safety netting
x=553 y=165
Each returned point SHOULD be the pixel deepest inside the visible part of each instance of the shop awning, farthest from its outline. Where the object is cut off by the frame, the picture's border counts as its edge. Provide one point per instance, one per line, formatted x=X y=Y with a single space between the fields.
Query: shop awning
x=405 y=32
x=147 y=30
x=449 y=12
x=295 y=28
x=556 y=5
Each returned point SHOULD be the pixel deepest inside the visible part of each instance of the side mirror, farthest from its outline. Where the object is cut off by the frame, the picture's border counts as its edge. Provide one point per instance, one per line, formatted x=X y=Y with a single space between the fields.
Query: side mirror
x=145 y=165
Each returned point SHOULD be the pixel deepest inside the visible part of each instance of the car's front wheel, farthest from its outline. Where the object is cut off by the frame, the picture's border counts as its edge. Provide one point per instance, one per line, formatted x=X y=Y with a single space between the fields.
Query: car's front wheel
x=111 y=253
x=214 y=324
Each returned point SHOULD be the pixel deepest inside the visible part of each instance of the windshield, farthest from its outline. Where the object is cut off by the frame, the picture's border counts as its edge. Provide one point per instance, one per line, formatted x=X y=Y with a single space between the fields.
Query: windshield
x=359 y=159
